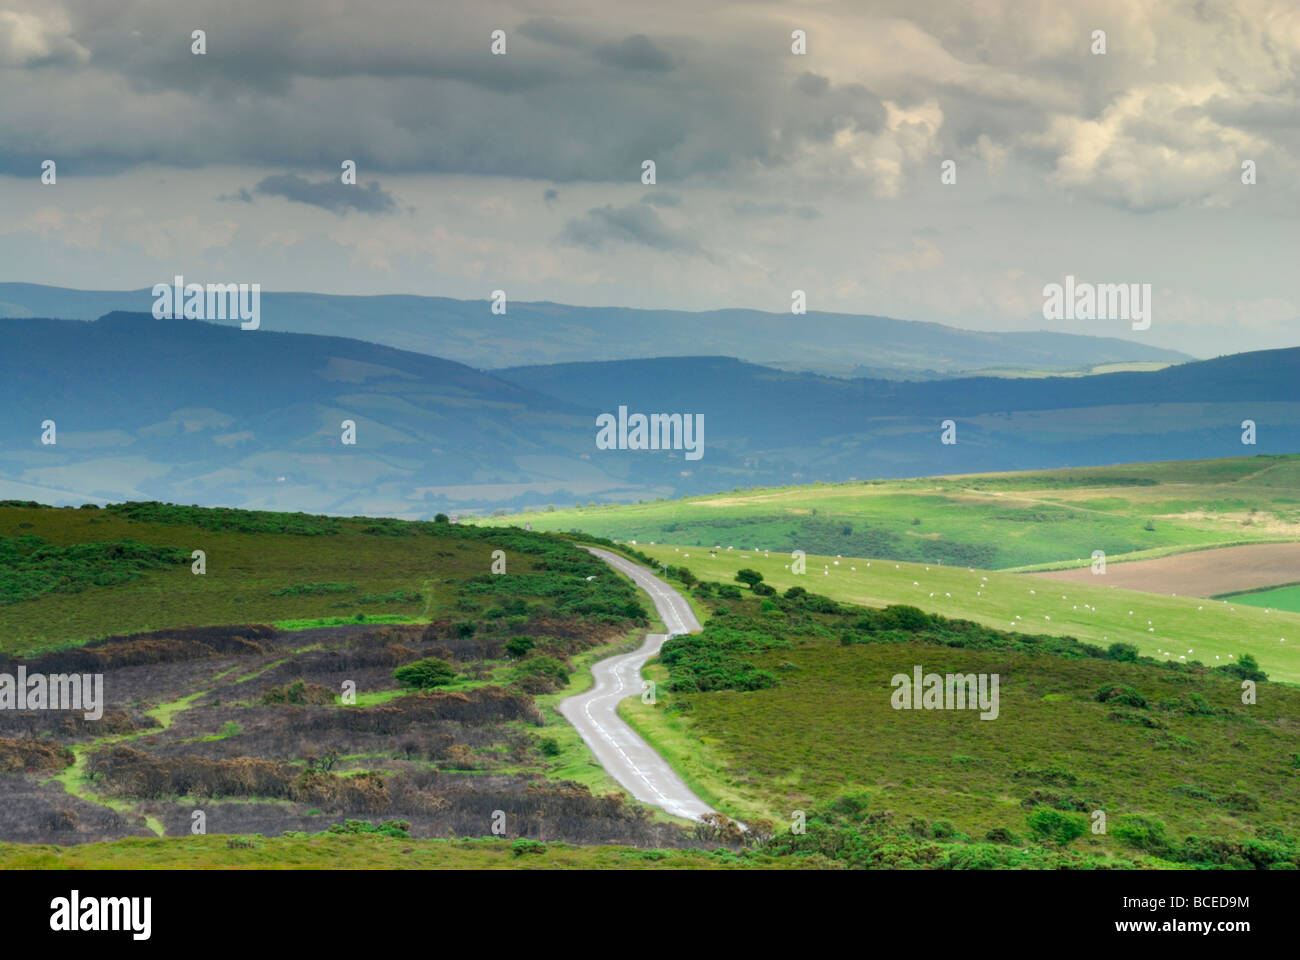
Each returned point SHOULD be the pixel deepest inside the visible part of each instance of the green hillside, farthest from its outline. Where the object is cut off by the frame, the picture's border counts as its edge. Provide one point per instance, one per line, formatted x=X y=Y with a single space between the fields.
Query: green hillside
x=994 y=521
x=369 y=852
x=261 y=567
x=1165 y=627
x=784 y=707
x=779 y=713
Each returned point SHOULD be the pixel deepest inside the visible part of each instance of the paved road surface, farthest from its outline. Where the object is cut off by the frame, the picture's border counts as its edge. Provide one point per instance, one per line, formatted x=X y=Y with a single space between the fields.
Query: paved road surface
x=628 y=758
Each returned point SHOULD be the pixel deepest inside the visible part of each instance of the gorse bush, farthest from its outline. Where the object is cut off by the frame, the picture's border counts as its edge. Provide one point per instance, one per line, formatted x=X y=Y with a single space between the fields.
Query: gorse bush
x=1124 y=652
x=713 y=659
x=397 y=829
x=227 y=518
x=1246 y=668
x=1114 y=693
x=519 y=646
x=1047 y=823
x=876 y=842
x=1270 y=848
x=314 y=589
x=30 y=567
x=426 y=674
x=299 y=693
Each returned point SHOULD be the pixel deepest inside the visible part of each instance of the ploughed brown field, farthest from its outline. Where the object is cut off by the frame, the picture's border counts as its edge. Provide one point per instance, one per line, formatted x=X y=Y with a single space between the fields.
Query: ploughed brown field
x=1203 y=573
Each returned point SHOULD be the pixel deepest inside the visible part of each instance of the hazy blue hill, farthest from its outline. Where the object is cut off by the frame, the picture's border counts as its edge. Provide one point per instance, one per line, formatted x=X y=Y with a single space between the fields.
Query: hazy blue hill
x=204 y=413
x=127 y=366
x=738 y=389
x=537 y=333
x=829 y=428
x=184 y=410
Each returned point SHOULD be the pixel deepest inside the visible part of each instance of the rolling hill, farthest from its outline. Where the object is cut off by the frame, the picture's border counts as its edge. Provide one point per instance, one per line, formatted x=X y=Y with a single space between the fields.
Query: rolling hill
x=804 y=428
x=468 y=332
x=196 y=412
x=1039 y=520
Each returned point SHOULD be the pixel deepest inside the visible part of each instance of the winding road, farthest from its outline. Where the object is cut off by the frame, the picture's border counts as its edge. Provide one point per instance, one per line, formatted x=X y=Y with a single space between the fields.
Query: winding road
x=621 y=751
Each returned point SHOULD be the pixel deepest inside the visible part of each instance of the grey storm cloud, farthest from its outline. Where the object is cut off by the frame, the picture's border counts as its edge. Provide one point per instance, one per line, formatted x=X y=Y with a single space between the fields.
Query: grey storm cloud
x=405 y=90
x=634 y=224
x=750 y=208
x=661 y=199
x=637 y=52
x=589 y=91
x=812 y=84
x=329 y=195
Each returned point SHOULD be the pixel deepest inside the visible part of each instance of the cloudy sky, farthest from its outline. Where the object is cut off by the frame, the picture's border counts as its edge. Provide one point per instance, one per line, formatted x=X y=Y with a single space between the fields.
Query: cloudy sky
x=775 y=171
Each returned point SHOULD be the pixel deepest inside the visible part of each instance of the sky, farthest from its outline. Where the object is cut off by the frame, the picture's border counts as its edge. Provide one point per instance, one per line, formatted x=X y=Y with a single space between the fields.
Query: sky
x=775 y=170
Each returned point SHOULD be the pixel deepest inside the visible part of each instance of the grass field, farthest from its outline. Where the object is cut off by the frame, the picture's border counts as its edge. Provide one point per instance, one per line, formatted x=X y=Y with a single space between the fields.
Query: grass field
x=1283 y=598
x=368 y=852
x=252 y=577
x=1039 y=519
x=827 y=729
x=1160 y=626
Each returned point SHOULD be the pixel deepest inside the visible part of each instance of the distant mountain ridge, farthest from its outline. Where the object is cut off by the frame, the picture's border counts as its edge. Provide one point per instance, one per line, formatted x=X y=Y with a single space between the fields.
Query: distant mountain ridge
x=467 y=331
x=204 y=413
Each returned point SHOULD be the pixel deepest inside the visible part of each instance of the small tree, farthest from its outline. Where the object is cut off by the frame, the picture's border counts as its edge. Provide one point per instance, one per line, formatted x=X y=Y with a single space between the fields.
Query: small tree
x=1246 y=668
x=426 y=674
x=553 y=672
x=748 y=577
x=518 y=647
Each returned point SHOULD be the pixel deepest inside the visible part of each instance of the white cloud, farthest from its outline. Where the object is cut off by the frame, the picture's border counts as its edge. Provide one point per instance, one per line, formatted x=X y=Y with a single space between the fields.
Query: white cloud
x=38 y=36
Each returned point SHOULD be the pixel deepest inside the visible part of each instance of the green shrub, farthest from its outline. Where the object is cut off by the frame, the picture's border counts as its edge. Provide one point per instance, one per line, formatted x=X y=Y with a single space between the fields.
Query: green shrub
x=426 y=674
x=1001 y=835
x=1060 y=827
x=518 y=647
x=546 y=666
x=1115 y=694
x=313 y=589
x=1143 y=833
x=901 y=616
x=851 y=805
x=30 y=567
x=1246 y=668
x=397 y=829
